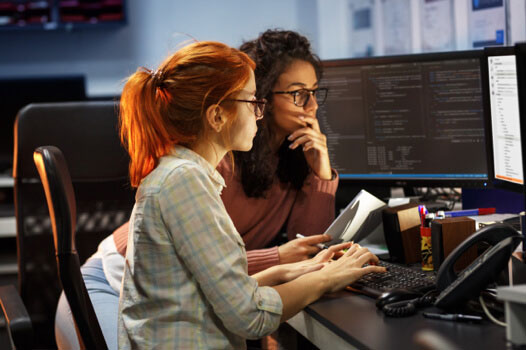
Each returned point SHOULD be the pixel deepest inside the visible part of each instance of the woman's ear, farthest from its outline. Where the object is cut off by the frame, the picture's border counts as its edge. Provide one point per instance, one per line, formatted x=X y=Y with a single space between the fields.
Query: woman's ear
x=216 y=117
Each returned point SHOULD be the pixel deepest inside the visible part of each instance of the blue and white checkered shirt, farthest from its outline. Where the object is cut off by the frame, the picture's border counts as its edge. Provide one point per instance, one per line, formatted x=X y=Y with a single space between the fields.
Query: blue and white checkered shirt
x=185 y=283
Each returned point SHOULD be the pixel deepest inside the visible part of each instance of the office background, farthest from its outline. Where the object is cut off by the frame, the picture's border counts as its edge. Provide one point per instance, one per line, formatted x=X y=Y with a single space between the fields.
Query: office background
x=106 y=55
x=337 y=29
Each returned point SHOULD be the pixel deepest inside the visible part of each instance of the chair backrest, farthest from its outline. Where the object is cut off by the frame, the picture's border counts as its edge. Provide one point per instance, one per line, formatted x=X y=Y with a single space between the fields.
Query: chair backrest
x=86 y=132
x=54 y=174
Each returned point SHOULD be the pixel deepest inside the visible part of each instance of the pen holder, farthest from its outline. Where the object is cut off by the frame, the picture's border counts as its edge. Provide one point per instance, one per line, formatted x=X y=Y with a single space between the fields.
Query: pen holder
x=446 y=235
x=402 y=234
x=427 y=255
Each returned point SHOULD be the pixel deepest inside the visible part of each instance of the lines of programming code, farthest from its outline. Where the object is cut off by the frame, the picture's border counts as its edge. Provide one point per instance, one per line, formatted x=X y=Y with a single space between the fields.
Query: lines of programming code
x=405 y=120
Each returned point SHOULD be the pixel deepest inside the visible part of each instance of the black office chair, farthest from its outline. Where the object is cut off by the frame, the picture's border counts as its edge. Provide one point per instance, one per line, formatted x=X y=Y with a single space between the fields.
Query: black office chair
x=56 y=181
x=18 y=323
x=87 y=134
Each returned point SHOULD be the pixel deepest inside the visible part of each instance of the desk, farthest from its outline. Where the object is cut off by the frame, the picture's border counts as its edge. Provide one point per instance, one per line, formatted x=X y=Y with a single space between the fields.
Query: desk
x=349 y=321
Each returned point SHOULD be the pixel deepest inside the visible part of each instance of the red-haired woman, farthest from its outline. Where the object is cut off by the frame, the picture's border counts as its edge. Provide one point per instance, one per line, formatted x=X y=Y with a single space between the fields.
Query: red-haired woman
x=185 y=283
x=285 y=182
x=273 y=186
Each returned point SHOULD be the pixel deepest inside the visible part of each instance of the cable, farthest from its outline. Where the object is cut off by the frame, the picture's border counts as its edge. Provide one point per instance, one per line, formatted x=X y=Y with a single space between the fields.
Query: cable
x=408 y=307
x=400 y=308
x=488 y=313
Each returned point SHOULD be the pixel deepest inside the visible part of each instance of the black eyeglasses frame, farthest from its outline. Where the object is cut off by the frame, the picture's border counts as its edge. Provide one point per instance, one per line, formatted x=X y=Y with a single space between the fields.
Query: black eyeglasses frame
x=259 y=106
x=312 y=92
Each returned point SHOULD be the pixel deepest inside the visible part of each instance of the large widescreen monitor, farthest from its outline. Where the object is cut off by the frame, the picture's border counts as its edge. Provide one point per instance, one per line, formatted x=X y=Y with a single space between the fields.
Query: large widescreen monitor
x=406 y=120
x=503 y=125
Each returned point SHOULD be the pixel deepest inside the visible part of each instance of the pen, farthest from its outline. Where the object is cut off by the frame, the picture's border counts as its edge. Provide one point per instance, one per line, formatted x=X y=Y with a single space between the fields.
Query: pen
x=469 y=212
x=453 y=317
x=319 y=245
x=422 y=211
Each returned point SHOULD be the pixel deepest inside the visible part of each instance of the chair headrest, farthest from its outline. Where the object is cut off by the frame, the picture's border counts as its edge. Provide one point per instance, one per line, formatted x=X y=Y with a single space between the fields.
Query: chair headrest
x=86 y=132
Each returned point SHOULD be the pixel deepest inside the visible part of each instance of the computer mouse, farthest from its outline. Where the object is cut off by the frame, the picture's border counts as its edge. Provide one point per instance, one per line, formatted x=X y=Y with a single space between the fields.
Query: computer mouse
x=396 y=295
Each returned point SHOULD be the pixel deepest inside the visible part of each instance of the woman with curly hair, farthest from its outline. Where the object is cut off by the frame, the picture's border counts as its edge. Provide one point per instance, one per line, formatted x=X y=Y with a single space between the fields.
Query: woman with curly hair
x=285 y=181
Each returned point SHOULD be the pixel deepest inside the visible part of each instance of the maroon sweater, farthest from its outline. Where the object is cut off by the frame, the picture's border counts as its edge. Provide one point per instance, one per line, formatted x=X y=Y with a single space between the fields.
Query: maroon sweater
x=259 y=220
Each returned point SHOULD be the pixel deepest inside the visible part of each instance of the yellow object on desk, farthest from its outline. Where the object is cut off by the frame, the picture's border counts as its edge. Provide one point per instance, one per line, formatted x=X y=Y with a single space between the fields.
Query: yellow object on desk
x=427 y=255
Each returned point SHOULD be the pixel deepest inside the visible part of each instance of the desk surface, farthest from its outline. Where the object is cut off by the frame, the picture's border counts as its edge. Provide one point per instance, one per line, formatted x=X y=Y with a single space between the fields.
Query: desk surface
x=357 y=323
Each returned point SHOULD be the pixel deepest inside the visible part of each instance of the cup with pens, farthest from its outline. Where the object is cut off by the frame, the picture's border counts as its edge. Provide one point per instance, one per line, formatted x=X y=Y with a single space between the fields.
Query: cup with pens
x=425 y=237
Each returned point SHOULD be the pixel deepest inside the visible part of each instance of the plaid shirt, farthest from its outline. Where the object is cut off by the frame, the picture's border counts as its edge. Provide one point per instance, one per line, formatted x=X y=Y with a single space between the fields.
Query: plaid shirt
x=185 y=282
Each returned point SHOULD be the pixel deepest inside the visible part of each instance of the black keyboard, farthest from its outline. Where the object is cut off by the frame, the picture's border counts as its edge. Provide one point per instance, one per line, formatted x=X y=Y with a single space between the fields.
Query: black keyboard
x=397 y=276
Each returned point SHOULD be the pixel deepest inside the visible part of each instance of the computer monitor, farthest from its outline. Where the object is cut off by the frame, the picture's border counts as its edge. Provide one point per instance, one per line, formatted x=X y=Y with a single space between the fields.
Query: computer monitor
x=503 y=123
x=406 y=120
x=16 y=93
x=520 y=52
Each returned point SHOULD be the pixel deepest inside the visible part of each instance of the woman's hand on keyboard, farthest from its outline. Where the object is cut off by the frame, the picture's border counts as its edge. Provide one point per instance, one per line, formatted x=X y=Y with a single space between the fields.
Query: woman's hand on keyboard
x=350 y=267
x=294 y=270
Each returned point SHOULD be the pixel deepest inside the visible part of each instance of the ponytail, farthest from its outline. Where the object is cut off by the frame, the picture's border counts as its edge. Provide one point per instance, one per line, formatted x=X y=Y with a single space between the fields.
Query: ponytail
x=165 y=107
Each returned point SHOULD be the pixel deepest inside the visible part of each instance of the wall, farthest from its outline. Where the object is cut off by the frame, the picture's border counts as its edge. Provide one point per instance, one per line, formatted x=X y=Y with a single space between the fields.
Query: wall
x=154 y=29
x=335 y=25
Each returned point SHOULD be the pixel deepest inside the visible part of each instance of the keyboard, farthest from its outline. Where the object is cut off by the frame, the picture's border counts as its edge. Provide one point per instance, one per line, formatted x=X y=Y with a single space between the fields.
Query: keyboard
x=397 y=276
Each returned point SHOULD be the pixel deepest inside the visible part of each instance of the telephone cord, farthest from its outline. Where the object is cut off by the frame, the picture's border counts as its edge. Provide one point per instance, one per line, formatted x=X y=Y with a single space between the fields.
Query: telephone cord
x=488 y=313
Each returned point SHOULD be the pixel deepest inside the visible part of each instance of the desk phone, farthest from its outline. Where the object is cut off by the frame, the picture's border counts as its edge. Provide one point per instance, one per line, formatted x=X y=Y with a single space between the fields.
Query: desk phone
x=453 y=289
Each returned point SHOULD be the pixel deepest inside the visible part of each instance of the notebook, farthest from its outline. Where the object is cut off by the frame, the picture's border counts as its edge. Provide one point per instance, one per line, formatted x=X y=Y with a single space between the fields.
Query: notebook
x=360 y=220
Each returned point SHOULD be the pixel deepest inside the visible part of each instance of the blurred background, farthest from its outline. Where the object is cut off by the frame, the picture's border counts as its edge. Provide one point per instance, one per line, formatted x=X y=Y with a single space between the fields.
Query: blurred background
x=106 y=40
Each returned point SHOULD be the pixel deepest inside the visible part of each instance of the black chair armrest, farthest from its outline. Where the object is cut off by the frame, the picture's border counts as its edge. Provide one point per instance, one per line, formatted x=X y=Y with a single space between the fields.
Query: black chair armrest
x=16 y=316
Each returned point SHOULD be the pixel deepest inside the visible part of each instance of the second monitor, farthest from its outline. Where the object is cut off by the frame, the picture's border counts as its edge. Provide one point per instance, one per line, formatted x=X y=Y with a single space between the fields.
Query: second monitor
x=415 y=119
x=503 y=126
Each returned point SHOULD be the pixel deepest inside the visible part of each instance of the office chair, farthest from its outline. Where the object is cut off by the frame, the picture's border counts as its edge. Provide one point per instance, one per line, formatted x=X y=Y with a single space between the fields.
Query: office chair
x=18 y=323
x=87 y=134
x=60 y=197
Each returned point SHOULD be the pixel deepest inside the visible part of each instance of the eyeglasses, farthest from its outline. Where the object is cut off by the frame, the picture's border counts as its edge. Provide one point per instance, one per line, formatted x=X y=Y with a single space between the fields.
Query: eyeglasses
x=259 y=106
x=301 y=96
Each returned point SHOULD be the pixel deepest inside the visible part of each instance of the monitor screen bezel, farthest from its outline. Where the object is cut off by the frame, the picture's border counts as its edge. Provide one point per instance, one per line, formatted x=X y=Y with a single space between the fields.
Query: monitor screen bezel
x=489 y=52
x=421 y=57
x=520 y=53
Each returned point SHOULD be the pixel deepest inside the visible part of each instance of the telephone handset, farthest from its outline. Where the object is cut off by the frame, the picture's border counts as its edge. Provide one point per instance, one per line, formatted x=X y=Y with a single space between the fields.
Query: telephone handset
x=456 y=289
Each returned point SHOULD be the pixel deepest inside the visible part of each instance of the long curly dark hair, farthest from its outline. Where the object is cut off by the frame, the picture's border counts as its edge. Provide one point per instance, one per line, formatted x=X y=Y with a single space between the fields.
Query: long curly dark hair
x=273 y=51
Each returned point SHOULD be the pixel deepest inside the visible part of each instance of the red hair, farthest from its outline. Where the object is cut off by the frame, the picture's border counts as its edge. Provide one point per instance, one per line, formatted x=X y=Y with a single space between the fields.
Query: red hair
x=166 y=107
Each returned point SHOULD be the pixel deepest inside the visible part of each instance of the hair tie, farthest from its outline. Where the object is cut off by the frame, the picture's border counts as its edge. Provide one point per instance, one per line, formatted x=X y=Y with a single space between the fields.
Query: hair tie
x=156 y=75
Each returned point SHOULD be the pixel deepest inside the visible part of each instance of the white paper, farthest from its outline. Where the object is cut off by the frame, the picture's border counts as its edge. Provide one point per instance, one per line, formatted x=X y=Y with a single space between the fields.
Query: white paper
x=394 y=202
x=487 y=23
x=490 y=218
x=437 y=25
x=397 y=34
x=362 y=27
x=347 y=224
